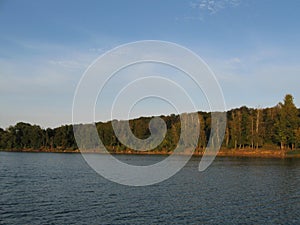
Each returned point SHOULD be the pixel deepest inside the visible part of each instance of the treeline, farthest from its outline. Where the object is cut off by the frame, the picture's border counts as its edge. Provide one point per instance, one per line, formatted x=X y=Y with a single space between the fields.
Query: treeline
x=277 y=127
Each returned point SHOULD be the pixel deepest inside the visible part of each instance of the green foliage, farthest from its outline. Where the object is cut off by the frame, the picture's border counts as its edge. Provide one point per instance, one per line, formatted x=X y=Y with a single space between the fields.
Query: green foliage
x=287 y=123
x=276 y=127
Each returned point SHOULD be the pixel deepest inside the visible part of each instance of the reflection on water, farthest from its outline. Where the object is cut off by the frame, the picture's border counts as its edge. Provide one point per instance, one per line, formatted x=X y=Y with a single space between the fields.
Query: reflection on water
x=45 y=188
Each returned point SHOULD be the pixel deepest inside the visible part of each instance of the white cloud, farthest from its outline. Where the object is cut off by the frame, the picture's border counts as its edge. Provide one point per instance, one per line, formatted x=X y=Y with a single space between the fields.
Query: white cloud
x=71 y=64
x=98 y=50
x=235 y=60
x=40 y=90
x=260 y=78
x=214 y=6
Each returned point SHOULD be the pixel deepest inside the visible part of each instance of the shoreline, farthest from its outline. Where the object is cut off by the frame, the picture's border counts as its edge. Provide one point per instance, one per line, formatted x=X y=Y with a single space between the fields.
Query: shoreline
x=241 y=153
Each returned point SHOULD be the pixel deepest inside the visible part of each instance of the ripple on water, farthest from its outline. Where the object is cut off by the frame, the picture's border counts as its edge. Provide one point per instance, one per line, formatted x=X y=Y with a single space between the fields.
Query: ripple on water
x=61 y=189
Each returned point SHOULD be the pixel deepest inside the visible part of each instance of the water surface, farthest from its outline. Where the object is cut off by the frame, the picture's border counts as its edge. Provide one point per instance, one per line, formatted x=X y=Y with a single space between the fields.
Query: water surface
x=57 y=188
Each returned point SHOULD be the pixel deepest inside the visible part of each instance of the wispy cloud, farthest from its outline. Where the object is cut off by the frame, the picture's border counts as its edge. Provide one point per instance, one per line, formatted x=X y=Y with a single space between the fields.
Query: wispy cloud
x=261 y=77
x=69 y=63
x=38 y=78
x=214 y=6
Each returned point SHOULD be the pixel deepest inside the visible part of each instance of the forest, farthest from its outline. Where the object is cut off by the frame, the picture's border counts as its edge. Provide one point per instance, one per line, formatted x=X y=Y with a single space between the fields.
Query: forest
x=271 y=128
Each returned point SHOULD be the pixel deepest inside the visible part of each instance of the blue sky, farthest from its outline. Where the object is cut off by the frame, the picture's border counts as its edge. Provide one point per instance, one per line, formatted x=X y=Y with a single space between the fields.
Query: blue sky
x=45 y=46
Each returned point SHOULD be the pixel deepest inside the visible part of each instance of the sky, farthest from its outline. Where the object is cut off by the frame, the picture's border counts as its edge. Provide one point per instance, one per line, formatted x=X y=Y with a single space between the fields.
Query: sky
x=253 y=47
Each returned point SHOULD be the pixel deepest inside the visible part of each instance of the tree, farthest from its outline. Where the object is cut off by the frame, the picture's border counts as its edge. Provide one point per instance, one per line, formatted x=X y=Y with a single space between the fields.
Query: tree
x=275 y=127
x=287 y=123
x=269 y=118
x=258 y=129
x=236 y=129
x=202 y=136
x=297 y=134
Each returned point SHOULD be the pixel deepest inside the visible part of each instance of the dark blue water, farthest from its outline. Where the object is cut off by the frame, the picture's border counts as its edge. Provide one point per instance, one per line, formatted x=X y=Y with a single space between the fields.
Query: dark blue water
x=49 y=188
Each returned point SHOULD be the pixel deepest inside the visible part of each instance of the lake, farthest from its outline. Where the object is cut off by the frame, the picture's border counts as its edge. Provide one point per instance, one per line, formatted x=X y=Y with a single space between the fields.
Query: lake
x=57 y=188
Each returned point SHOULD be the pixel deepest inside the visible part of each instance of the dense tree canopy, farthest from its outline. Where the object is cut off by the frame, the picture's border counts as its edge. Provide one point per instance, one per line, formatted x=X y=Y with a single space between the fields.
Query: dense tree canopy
x=273 y=128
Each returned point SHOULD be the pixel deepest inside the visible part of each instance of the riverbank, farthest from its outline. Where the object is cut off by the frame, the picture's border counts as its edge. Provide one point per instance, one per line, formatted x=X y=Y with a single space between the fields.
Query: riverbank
x=250 y=153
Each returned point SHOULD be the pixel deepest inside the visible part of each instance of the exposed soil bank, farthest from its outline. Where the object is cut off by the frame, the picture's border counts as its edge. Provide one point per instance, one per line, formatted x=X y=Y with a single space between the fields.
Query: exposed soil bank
x=260 y=153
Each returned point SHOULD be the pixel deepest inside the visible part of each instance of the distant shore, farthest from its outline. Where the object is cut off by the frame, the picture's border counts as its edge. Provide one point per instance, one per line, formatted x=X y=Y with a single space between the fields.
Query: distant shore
x=245 y=153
